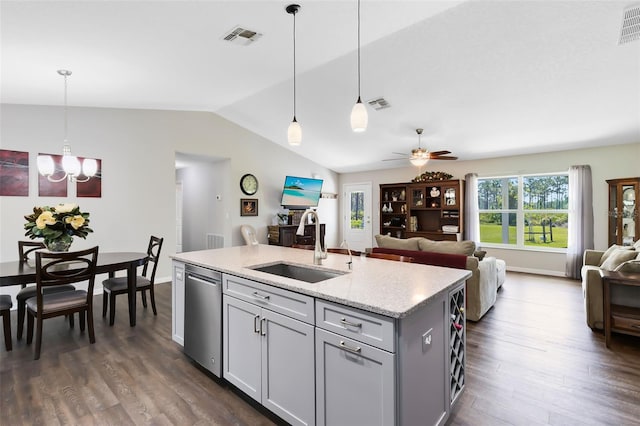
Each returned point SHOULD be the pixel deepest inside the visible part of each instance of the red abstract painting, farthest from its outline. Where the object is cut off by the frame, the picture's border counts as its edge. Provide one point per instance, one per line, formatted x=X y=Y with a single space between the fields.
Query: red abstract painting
x=14 y=173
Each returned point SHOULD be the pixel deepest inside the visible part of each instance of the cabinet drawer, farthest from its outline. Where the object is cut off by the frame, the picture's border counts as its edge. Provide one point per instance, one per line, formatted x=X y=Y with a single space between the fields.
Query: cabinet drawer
x=626 y=324
x=289 y=303
x=366 y=327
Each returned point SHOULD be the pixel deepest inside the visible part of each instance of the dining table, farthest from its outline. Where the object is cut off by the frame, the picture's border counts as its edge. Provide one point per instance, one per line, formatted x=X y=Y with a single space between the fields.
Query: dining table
x=20 y=272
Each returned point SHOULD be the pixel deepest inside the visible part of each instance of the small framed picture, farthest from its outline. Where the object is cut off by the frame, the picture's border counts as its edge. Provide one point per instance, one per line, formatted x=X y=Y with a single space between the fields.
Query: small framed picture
x=248 y=207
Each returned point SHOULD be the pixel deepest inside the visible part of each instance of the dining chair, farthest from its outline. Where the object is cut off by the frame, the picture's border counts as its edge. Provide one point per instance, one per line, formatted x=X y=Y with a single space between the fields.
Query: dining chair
x=249 y=234
x=390 y=256
x=62 y=268
x=26 y=248
x=113 y=286
x=5 y=311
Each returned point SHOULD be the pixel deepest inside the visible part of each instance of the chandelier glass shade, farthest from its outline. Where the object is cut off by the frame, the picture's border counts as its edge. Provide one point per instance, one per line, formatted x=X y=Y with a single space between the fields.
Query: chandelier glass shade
x=72 y=167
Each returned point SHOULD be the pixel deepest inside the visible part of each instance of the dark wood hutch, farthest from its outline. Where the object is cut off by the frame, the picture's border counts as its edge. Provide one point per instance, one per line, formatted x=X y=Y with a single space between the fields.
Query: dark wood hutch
x=433 y=209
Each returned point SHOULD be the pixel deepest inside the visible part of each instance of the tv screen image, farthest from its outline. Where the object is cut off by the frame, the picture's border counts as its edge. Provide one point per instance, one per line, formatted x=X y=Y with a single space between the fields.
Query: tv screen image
x=301 y=193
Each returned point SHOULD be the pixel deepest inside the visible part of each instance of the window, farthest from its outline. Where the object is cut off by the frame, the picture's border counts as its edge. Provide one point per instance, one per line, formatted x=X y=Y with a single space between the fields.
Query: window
x=357 y=210
x=524 y=211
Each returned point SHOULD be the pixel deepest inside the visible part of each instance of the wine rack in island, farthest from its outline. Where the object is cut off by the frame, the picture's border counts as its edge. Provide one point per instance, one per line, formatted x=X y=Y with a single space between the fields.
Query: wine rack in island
x=424 y=209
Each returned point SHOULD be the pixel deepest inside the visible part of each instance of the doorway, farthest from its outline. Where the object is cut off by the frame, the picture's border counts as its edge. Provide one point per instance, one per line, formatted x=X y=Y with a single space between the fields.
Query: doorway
x=357 y=215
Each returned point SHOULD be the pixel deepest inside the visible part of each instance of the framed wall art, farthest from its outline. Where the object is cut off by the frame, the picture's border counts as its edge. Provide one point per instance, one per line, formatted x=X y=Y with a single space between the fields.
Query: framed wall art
x=248 y=207
x=14 y=173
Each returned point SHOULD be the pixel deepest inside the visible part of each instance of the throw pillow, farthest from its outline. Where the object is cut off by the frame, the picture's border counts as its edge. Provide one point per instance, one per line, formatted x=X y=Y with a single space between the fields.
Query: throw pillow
x=610 y=251
x=466 y=247
x=618 y=257
x=385 y=241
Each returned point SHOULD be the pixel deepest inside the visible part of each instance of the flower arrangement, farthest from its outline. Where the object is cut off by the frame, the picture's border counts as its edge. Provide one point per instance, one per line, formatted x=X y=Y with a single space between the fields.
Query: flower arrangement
x=57 y=225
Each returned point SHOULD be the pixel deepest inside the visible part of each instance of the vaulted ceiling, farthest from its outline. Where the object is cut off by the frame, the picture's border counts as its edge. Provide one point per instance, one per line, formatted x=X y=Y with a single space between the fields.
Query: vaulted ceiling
x=483 y=78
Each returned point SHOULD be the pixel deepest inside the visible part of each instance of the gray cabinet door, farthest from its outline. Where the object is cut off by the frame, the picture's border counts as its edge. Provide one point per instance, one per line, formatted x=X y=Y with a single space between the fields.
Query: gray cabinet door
x=177 y=295
x=355 y=382
x=288 y=386
x=242 y=345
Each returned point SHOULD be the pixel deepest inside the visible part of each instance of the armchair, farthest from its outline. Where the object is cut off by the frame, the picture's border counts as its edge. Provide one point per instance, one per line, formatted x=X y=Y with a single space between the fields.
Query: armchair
x=626 y=259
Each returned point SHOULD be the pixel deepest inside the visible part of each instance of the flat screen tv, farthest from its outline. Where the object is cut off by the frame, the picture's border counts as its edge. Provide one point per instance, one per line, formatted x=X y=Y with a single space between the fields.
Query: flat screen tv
x=300 y=193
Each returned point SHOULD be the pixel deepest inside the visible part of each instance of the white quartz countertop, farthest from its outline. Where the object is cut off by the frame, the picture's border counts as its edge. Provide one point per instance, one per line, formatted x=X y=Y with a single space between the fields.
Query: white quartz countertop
x=386 y=287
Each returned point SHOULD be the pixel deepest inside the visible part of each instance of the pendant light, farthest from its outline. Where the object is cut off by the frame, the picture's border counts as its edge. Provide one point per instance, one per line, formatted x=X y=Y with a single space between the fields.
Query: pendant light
x=294 y=133
x=359 y=117
x=70 y=164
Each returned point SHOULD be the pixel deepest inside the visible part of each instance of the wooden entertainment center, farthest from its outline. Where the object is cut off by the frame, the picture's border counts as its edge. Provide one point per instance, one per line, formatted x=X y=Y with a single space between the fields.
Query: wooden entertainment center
x=433 y=209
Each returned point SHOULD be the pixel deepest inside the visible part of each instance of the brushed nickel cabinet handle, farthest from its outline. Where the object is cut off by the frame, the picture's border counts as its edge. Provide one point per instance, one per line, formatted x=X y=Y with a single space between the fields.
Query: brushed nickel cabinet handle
x=263 y=329
x=344 y=346
x=346 y=323
x=255 y=324
x=261 y=296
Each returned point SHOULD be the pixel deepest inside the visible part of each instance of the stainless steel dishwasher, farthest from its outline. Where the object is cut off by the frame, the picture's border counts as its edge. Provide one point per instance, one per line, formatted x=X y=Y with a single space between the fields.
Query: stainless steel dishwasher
x=203 y=317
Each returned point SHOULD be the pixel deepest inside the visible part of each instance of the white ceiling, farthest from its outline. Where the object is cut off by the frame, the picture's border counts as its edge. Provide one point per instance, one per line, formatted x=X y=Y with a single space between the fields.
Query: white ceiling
x=483 y=78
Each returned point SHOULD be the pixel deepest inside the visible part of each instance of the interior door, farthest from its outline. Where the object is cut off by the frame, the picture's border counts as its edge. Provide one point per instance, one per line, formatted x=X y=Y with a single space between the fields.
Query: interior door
x=356 y=216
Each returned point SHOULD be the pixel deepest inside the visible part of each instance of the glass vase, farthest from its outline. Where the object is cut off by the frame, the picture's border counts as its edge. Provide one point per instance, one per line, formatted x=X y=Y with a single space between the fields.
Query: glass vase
x=58 y=245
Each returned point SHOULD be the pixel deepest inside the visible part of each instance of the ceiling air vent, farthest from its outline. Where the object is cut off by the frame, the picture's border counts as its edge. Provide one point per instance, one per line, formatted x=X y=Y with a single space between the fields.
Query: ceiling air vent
x=630 y=30
x=379 y=103
x=241 y=36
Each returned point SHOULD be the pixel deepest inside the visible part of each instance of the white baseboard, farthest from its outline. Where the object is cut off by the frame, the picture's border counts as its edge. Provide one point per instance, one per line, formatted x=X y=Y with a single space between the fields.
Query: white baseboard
x=536 y=271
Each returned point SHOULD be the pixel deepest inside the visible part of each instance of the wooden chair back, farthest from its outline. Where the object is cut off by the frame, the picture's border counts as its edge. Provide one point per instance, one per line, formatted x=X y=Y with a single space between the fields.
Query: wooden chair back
x=58 y=268
x=155 y=245
x=27 y=247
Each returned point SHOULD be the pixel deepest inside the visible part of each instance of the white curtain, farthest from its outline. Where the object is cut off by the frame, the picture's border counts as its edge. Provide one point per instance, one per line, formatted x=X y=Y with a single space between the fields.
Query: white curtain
x=580 y=218
x=471 y=214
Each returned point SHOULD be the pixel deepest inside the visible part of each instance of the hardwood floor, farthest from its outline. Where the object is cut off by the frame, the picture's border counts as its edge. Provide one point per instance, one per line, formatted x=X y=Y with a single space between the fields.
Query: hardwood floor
x=531 y=360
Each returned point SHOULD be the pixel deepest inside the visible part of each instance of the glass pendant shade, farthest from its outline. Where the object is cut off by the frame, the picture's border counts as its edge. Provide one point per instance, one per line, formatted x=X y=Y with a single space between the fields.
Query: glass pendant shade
x=71 y=165
x=294 y=133
x=418 y=162
x=359 y=117
x=89 y=167
x=45 y=165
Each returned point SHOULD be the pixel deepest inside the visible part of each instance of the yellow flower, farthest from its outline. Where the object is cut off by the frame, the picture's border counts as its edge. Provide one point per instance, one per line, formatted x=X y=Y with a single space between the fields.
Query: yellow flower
x=65 y=208
x=76 y=221
x=45 y=218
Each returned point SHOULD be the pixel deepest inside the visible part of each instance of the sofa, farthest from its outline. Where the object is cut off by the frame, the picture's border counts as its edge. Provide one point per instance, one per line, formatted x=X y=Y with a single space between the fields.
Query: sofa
x=487 y=272
x=615 y=258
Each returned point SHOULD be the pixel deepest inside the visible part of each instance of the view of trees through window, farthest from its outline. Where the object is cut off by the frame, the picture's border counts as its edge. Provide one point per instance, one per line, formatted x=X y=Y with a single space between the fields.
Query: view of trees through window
x=357 y=210
x=529 y=211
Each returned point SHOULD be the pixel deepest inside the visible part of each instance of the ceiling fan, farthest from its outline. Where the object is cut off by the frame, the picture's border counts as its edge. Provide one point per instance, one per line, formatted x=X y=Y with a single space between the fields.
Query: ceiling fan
x=419 y=156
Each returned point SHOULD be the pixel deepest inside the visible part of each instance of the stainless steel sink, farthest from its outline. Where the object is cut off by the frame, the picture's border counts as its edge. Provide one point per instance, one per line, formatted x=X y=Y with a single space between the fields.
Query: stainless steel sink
x=296 y=272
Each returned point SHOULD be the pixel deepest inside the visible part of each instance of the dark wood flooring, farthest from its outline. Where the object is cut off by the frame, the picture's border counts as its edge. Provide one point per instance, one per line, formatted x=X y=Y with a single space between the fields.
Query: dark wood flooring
x=531 y=360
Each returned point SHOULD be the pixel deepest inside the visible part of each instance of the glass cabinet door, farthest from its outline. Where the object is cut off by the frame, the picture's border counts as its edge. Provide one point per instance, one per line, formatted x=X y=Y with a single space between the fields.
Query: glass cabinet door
x=624 y=223
x=629 y=208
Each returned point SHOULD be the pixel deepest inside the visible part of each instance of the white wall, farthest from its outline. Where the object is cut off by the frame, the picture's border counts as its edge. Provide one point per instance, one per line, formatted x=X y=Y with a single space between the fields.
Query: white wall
x=138 y=149
x=606 y=163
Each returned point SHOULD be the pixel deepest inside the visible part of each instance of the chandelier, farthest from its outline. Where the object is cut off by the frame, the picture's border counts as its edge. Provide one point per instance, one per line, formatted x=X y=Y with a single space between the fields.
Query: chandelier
x=71 y=165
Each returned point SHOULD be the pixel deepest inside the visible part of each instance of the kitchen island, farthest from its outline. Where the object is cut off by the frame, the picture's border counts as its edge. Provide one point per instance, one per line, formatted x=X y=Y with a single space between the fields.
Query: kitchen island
x=382 y=343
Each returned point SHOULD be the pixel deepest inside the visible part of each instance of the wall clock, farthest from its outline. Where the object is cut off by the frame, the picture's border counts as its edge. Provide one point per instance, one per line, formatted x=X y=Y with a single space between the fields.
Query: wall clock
x=249 y=184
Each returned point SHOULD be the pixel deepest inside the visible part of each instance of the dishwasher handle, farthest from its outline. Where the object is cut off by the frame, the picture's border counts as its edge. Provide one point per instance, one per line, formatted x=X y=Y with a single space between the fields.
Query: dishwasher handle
x=203 y=280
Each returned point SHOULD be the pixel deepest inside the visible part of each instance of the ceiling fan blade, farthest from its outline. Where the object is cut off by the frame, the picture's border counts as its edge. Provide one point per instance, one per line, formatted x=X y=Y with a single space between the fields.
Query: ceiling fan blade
x=395 y=159
x=440 y=152
x=443 y=157
x=400 y=153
